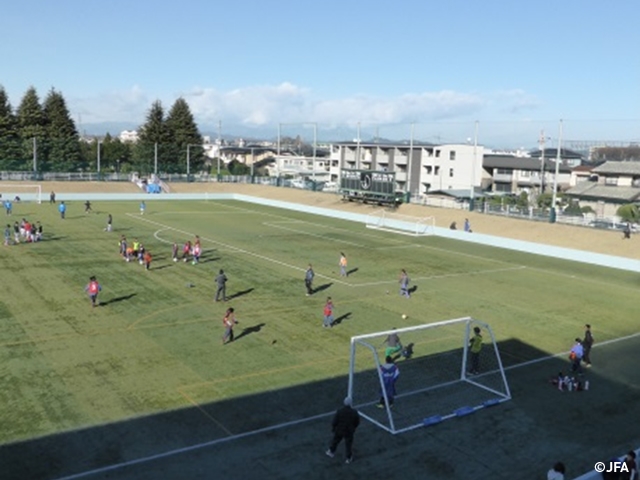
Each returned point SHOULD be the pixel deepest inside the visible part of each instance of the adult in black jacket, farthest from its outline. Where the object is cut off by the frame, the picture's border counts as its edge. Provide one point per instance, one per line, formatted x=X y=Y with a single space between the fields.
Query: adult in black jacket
x=344 y=425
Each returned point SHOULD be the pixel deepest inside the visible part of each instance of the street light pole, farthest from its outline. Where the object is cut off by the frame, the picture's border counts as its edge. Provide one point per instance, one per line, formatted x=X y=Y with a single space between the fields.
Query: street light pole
x=155 y=158
x=315 y=149
x=472 y=194
x=219 y=145
x=552 y=218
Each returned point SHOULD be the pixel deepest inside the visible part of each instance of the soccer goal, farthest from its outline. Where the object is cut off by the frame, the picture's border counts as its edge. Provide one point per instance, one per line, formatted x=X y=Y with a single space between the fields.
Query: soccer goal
x=26 y=193
x=397 y=223
x=435 y=383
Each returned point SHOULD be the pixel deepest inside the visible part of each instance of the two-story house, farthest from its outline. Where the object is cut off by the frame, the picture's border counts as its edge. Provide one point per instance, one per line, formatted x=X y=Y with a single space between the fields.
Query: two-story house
x=510 y=174
x=616 y=183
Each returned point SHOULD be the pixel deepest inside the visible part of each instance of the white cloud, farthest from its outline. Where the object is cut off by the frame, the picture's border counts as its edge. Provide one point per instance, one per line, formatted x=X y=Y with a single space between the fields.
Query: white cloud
x=263 y=105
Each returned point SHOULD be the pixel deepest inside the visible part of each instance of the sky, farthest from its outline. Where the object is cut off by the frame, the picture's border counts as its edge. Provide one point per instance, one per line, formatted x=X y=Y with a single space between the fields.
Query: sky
x=409 y=68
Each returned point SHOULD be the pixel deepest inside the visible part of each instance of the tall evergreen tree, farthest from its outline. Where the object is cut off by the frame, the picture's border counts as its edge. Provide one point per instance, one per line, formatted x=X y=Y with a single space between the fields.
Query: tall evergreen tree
x=152 y=133
x=184 y=135
x=10 y=151
x=32 y=130
x=64 y=143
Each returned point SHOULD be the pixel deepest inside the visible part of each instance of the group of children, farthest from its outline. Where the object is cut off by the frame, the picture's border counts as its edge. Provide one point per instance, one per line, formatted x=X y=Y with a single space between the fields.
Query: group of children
x=190 y=251
x=135 y=251
x=23 y=232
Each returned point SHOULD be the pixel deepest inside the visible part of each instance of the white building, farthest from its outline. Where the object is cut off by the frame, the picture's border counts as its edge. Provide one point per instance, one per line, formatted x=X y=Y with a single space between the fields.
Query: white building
x=420 y=168
x=128 y=136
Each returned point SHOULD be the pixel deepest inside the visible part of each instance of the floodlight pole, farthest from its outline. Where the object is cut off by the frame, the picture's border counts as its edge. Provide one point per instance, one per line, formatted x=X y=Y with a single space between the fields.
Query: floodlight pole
x=98 y=157
x=358 y=148
x=155 y=158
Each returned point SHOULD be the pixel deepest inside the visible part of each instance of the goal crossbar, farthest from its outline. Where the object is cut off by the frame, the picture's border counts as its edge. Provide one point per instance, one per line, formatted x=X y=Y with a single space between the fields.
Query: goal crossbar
x=25 y=192
x=484 y=389
x=398 y=223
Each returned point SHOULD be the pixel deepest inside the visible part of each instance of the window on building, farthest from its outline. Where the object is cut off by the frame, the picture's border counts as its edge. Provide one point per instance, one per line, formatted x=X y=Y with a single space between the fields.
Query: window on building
x=525 y=173
x=429 y=169
x=437 y=171
x=503 y=171
x=452 y=155
x=451 y=172
x=437 y=153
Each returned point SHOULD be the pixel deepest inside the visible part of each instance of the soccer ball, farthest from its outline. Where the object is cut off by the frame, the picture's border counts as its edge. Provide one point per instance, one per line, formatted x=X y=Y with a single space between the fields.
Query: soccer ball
x=175 y=259
x=404 y=317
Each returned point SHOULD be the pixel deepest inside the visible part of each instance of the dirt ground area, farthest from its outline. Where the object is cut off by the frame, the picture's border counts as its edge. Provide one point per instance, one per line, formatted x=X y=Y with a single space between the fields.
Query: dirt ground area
x=579 y=238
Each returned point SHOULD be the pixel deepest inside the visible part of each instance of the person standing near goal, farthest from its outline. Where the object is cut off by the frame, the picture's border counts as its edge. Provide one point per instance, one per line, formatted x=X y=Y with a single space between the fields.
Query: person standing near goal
x=587 y=343
x=475 y=347
x=404 y=284
x=393 y=343
x=390 y=373
x=62 y=208
x=344 y=424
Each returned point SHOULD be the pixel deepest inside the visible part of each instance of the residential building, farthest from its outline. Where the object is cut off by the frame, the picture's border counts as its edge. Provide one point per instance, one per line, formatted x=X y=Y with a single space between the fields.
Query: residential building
x=616 y=183
x=510 y=174
x=419 y=167
x=128 y=136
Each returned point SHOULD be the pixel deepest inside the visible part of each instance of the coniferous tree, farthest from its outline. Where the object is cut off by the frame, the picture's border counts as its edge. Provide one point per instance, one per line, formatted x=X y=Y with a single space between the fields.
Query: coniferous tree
x=64 y=153
x=152 y=133
x=32 y=130
x=184 y=135
x=10 y=151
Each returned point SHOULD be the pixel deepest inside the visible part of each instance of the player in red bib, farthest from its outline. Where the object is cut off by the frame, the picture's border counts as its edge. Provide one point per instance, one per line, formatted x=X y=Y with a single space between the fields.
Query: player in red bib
x=92 y=289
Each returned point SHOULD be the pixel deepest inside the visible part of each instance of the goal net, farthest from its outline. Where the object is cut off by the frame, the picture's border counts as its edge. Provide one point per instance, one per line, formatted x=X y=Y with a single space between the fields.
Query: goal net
x=26 y=193
x=441 y=374
x=397 y=223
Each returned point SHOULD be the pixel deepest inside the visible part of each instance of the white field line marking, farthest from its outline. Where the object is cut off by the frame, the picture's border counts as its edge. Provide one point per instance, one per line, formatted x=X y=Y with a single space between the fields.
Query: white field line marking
x=236 y=249
x=323 y=225
x=324 y=237
x=408 y=245
x=239 y=436
x=449 y=275
x=211 y=212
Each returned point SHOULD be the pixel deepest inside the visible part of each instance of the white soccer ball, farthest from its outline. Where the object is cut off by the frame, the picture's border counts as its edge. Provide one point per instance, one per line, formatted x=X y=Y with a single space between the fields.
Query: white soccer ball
x=175 y=259
x=404 y=317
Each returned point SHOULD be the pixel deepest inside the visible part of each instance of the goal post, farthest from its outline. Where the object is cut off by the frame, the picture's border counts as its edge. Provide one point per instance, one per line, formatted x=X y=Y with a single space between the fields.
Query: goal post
x=397 y=223
x=26 y=193
x=441 y=376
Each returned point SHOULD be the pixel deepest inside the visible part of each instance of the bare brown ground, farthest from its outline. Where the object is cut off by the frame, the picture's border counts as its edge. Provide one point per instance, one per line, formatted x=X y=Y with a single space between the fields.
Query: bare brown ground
x=580 y=238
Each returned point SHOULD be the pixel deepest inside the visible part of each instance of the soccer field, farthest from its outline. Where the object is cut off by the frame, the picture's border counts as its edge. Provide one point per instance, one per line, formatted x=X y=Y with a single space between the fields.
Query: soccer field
x=149 y=363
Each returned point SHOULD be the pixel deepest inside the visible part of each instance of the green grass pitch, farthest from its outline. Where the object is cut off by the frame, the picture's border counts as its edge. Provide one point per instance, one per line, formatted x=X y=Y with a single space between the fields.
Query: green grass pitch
x=153 y=348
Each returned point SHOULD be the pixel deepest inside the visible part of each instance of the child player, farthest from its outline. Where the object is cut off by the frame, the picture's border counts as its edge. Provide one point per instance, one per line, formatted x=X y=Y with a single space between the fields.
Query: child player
x=174 y=252
x=229 y=321
x=93 y=288
x=147 y=260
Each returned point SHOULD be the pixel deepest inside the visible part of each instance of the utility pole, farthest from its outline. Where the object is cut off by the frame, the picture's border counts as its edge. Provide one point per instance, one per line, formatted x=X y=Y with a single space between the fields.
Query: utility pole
x=541 y=143
x=552 y=217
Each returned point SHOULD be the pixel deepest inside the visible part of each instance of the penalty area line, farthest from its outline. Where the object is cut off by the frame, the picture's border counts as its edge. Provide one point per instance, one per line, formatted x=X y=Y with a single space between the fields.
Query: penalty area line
x=191 y=448
x=293 y=423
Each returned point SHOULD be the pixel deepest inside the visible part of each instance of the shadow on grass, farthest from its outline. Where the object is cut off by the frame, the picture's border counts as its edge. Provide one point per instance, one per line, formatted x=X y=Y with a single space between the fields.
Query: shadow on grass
x=118 y=299
x=185 y=442
x=240 y=294
x=341 y=318
x=353 y=270
x=162 y=267
x=321 y=288
x=249 y=331
x=412 y=289
x=208 y=259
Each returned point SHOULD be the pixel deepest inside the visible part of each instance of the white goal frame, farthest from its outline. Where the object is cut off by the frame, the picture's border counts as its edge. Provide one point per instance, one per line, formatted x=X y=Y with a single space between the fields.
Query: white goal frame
x=389 y=221
x=500 y=396
x=9 y=192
